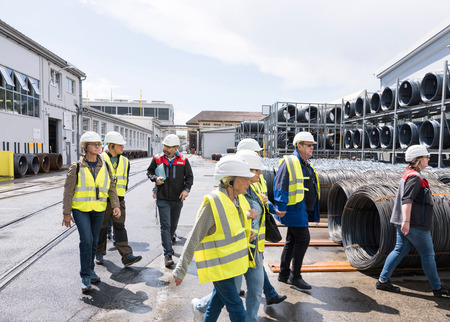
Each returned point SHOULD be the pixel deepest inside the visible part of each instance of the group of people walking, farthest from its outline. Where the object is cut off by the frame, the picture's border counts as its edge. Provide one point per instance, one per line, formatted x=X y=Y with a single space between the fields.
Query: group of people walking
x=228 y=236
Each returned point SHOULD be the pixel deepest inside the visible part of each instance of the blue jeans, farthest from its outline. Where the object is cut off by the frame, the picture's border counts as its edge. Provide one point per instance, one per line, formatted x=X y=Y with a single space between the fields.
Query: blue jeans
x=268 y=289
x=225 y=293
x=254 y=278
x=169 y=213
x=202 y=305
x=421 y=240
x=88 y=224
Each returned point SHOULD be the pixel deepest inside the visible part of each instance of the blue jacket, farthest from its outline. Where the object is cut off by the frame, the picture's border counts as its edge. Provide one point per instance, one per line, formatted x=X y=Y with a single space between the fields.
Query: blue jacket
x=296 y=215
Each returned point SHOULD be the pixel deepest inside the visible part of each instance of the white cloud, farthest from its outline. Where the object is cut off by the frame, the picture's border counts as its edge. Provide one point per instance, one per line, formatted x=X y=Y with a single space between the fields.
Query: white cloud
x=305 y=44
x=181 y=118
x=101 y=88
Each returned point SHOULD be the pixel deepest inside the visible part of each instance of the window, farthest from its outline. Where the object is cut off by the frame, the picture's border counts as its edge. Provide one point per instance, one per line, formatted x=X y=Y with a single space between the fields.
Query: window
x=103 y=129
x=122 y=110
x=149 y=111
x=96 y=107
x=116 y=128
x=228 y=124
x=206 y=124
x=110 y=109
x=70 y=86
x=95 y=126
x=163 y=114
x=86 y=124
x=2 y=99
x=55 y=80
x=217 y=124
x=126 y=136
x=136 y=111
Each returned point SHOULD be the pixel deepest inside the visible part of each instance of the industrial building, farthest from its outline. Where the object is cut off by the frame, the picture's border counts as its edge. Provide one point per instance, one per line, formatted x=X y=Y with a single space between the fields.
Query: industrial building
x=42 y=110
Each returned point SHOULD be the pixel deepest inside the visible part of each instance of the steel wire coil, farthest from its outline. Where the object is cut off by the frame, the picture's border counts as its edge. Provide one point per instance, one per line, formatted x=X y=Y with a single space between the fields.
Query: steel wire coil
x=341 y=191
x=368 y=236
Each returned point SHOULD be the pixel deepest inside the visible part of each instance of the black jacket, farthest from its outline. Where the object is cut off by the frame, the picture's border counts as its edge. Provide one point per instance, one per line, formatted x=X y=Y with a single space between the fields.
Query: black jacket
x=179 y=176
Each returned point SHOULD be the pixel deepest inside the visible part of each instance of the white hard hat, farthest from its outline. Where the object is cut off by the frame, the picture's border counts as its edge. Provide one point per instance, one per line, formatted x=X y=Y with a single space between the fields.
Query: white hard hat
x=415 y=151
x=249 y=144
x=252 y=158
x=171 y=140
x=303 y=137
x=232 y=165
x=89 y=136
x=114 y=138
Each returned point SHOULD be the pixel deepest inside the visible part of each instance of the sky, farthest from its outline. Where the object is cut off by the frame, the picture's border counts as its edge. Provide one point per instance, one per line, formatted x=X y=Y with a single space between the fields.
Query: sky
x=228 y=55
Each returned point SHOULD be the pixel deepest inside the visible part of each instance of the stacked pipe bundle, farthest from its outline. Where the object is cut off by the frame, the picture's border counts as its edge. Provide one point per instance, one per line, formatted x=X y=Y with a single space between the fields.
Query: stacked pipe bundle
x=348 y=139
x=368 y=236
x=308 y=113
x=388 y=99
x=387 y=137
x=286 y=113
x=333 y=115
x=431 y=87
x=349 y=109
x=429 y=134
x=409 y=134
x=374 y=137
x=332 y=140
x=409 y=93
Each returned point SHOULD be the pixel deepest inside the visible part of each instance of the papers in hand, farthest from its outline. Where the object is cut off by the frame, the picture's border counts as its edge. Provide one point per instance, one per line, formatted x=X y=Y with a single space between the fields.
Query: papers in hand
x=160 y=171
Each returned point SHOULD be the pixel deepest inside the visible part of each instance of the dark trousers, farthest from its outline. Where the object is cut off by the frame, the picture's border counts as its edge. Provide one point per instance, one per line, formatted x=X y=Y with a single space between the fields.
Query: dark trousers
x=169 y=213
x=120 y=233
x=297 y=242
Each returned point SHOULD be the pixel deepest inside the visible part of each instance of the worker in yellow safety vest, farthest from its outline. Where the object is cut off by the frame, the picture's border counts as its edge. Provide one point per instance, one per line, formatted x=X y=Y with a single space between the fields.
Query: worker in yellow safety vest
x=296 y=194
x=89 y=183
x=260 y=187
x=220 y=239
x=120 y=168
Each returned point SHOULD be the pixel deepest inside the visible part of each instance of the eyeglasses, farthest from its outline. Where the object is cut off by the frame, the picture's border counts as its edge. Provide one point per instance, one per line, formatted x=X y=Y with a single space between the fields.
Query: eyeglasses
x=96 y=144
x=309 y=145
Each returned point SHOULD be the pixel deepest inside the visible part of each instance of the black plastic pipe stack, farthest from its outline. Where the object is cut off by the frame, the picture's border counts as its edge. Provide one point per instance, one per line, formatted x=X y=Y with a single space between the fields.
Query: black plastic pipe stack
x=429 y=134
x=375 y=103
x=409 y=134
x=409 y=93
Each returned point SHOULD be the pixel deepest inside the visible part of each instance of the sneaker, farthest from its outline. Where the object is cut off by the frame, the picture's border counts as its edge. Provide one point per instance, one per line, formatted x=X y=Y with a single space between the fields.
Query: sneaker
x=168 y=261
x=99 y=259
x=131 y=259
x=109 y=235
x=444 y=290
x=299 y=283
x=241 y=293
x=85 y=285
x=198 y=316
x=174 y=238
x=275 y=300
x=387 y=286
x=94 y=278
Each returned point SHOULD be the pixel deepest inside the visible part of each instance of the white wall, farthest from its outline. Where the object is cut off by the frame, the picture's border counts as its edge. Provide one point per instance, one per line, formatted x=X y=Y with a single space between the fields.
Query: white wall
x=216 y=142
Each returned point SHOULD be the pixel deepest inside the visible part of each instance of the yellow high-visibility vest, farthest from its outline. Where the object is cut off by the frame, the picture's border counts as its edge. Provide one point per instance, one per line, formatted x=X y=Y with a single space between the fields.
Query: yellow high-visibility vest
x=225 y=253
x=119 y=174
x=261 y=239
x=85 y=197
x=261 y=186
x=296 y=191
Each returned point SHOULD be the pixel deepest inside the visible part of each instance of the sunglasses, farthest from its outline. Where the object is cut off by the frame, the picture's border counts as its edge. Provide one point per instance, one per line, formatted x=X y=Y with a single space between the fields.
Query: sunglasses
x=96 y=144
x=310 y=145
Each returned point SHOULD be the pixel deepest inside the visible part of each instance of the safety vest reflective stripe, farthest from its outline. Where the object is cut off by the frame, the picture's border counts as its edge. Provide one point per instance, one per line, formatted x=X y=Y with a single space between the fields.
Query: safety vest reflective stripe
x=225 y=253
x=296 y=179
x=261 y=238
x=222 y=260
x=119 y=174
x=229 y=239
x=86 y=198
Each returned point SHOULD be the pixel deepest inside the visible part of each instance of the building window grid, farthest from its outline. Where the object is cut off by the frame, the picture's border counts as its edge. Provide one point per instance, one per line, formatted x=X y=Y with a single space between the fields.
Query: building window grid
x=70 y=85
x=74 y=118
x=19 y=99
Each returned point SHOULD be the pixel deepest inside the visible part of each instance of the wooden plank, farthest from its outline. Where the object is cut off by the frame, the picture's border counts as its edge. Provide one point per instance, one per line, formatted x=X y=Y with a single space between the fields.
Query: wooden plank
x=312 y=242
x=332 y=266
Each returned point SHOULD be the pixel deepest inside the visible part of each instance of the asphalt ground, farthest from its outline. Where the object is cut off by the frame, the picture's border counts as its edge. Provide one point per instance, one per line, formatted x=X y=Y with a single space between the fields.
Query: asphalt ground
x=49 y=289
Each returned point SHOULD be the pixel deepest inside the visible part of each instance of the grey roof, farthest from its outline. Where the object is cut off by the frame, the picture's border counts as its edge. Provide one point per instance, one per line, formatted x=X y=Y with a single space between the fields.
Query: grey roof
x=226 y=116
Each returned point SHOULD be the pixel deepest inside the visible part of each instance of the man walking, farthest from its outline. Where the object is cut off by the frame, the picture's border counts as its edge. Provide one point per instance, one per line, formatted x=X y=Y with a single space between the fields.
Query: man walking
x=120 y=169
x=297 y=193
x=174 y=178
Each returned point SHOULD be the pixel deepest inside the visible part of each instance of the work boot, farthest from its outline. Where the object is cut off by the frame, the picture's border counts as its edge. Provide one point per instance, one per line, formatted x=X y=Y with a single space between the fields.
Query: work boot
x=168 y=261
x=387 y=286
x=131 y=259
x=444 y=290
x=299 y=283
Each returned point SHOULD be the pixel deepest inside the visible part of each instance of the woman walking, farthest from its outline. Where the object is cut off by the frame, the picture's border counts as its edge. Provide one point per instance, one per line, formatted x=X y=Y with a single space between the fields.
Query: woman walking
x=88 y=185
x=412 y=218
